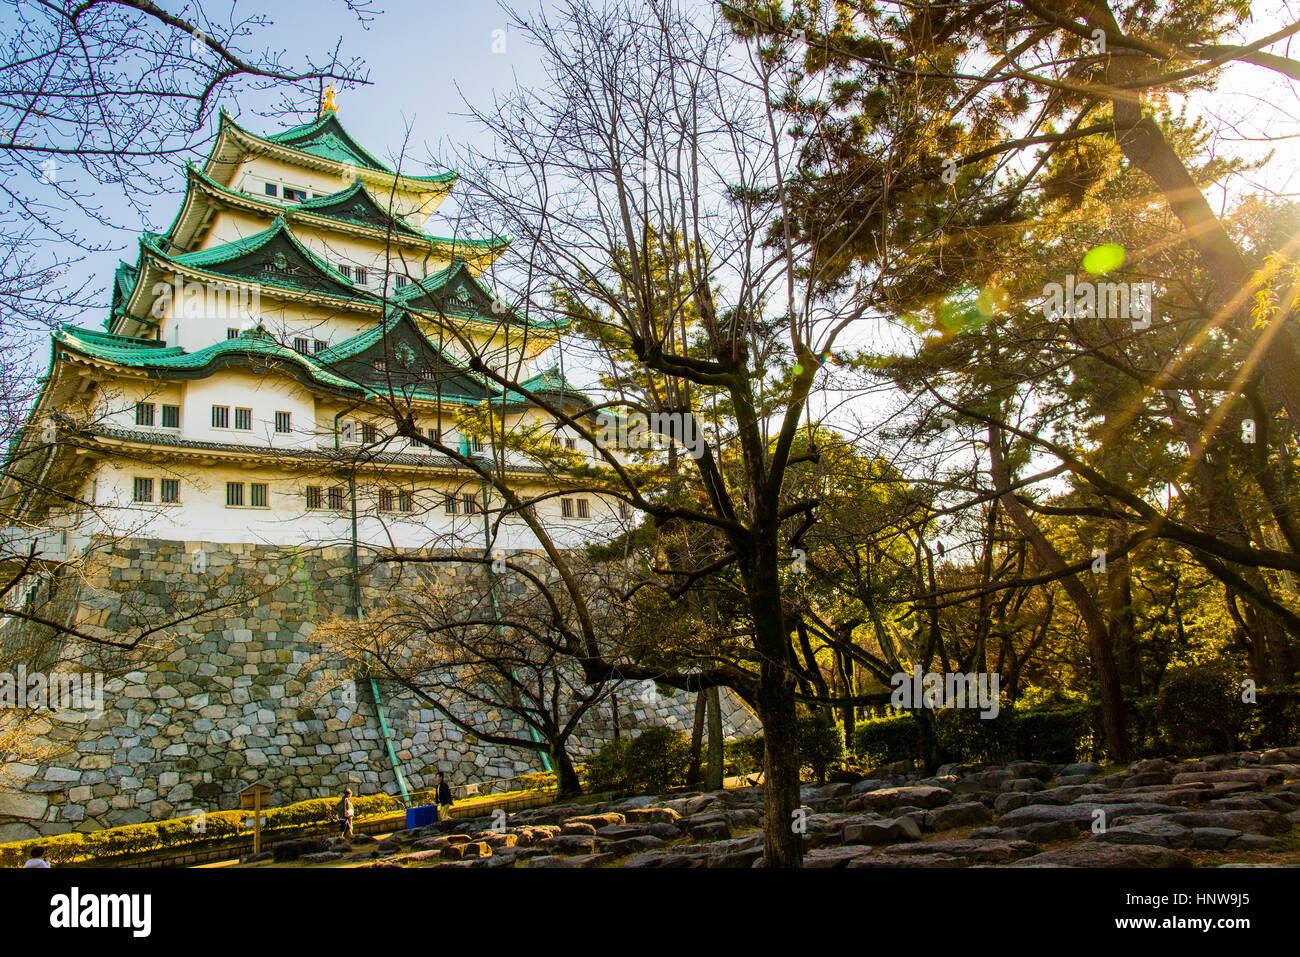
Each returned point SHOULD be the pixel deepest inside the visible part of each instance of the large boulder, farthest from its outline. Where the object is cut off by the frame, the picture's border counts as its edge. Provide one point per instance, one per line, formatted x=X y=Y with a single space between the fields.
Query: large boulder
x=889 y=831
x=919 y=795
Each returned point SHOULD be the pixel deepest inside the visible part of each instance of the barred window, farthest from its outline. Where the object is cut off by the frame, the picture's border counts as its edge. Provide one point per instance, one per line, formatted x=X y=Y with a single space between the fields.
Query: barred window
x=405 y=502
x=449 y=505
x=380 y=365
x=144 y=413
x=313 y=497
x=319 y=345
x=385 y=500
x=244 y=420
x=336 y=497
x=170 y=491
x=401 y=282
x=234 y=493
x=359 y=276
x=584 y=510
x=570 y=444
x=221 y=416
x=346 y=270
x=258 y=497
x=171 y=416
x=566 y=507
x=470 y=505
x=283 y=421
x=369 y=434
x=301 y=345
x=232 y=333
x=142 y=490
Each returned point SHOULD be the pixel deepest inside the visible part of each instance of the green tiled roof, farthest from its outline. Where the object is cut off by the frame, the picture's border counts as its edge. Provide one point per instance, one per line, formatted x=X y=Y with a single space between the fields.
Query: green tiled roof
x=212 y=260
x=356 y=205
x=549 y=381
x=150 y=354
x=325 y=137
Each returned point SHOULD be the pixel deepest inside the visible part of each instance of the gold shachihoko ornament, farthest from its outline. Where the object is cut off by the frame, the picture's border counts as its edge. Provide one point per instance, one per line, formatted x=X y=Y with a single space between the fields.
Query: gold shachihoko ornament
x=329 y=103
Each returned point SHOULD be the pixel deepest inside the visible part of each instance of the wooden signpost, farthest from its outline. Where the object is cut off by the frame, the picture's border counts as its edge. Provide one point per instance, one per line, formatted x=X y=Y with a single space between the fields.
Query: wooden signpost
x=254 y=798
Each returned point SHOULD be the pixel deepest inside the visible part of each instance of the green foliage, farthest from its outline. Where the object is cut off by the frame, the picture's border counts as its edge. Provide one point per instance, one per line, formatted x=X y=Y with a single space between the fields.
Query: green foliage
x=1199 y=708
x=743 y=755
x=657 y=759
x=1054 y=736
x=820 y=741
x=885 y=740
x=189 y=831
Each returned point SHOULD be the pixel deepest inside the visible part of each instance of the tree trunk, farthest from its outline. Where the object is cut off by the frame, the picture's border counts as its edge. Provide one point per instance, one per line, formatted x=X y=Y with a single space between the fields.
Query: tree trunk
x=782 y=847
x=713 y=779
x=567 y=778
x=697 y=741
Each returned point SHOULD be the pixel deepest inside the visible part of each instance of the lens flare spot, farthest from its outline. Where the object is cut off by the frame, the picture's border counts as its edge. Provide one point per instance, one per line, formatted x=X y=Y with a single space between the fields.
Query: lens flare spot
x=1105 y=258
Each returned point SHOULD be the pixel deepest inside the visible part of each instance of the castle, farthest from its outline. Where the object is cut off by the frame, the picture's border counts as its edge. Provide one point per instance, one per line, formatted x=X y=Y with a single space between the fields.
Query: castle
x=227 y=440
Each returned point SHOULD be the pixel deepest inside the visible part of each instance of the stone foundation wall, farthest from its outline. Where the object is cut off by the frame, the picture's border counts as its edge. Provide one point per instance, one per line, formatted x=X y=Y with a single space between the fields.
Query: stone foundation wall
x=196 y=712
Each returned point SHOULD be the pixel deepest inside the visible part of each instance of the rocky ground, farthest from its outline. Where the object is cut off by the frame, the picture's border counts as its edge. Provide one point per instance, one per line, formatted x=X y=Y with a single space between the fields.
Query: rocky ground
x=1225 y=810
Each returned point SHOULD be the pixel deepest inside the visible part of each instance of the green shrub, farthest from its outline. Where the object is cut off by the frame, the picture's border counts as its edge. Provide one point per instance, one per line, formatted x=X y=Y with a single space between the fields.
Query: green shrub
x=743 y=755
x=539 y=781
x=657 y=759
x=820 y=741
x=886 y=740
x=1199 y=708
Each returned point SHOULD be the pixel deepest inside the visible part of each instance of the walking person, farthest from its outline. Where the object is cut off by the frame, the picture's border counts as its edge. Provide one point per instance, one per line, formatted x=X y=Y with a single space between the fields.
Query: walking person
x=37 y=859
x=345 y=812
x=444 y=797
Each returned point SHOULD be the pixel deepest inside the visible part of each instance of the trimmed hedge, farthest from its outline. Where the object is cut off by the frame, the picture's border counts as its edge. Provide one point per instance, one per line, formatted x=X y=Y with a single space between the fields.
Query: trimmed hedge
x=217 y=826
x=821 y=746
x=962 y=735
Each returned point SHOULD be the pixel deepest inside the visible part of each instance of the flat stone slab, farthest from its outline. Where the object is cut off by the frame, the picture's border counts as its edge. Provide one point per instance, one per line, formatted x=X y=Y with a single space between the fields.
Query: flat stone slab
x=888 y=831
x=835 y=856
x=1251 y=822
x=982 y=852
x=920 y=860
x=968 y=814
x=1080 y=815
x=1262 y=777
x=921 y=795
x=1158 y=831
x=1100 y=854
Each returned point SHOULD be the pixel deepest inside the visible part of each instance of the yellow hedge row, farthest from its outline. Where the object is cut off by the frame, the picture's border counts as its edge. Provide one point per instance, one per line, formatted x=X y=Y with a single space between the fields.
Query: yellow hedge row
x=188 y=831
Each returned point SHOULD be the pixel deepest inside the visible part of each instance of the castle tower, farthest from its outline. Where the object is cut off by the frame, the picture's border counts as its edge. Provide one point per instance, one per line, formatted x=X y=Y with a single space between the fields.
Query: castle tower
x=227 y=437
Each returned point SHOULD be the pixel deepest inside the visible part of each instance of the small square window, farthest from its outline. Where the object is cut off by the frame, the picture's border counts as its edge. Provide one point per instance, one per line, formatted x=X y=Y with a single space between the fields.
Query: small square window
x=144 y=413
x=234 y=493
x=369 y=434
x=385 y=500
x=405 y=502
x=232 y=333
x=584 y=509
x=221 y=416
x=400 y=282
x=171 y=416
x=283 y=422
x=566 y=507
x=257 y=495
x=346 y=271
x=142 y=490
x=244 y=420
x=170 y=491
x=272 y=189
x=449 y=505
x=359 y=276
x=336 y=497
x=471 y=506
x=301 y=345
x=314 y=498
x=319 y=345
x=295 y=195
x=571 y=444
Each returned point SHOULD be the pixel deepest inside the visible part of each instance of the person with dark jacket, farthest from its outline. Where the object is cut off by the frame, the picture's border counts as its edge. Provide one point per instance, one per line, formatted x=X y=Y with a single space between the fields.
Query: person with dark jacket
x=345 y=814
x=444 y=796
